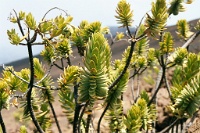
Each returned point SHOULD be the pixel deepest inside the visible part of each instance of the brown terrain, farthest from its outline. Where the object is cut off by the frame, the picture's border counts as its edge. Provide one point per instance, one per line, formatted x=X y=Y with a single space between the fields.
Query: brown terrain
x=163 y=98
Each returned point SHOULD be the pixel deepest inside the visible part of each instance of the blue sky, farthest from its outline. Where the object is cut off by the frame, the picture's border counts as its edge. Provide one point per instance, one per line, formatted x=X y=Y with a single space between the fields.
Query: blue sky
x=91 y=10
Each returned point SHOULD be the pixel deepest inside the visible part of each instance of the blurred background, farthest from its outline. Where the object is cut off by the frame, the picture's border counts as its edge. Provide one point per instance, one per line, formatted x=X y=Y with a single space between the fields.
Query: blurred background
x=91 y=10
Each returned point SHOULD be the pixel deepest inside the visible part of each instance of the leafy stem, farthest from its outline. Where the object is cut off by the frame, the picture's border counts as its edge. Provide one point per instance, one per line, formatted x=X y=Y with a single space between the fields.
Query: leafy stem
x=133 y=42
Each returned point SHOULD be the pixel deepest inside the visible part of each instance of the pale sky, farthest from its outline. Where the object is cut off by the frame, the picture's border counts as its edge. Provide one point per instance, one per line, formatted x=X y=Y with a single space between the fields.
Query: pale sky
x=91 y=10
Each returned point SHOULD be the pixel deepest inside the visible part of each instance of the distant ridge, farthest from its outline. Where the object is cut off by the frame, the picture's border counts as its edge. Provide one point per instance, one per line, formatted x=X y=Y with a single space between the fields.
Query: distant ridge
x=119 y=47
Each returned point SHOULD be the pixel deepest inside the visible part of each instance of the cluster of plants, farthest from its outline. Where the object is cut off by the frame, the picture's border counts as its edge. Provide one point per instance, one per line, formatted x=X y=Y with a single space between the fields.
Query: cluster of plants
x=99 y=78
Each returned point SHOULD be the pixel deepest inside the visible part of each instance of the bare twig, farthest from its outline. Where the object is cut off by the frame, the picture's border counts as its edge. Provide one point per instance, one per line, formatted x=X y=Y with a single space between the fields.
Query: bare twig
x=54 y=9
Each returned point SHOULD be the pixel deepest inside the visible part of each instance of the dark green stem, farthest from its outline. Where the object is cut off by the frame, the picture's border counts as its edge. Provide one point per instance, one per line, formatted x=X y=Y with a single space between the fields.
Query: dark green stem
x=120 y=76
x=55 y=117
x=3 y=127
x=157 y=88
x=101 y=117
x=163 y=69
x=77 y=109
x=126 y=66
x=88 y=122
x=30 y=87
x=81 y=116
x=116 y=81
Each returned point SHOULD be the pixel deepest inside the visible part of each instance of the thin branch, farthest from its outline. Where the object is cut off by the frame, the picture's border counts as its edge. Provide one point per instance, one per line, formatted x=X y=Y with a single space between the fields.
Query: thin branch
x=138 y=86
x=55 y=117
x=187 y=126
x=135 y=73
x=165 y=130
x=47 y=74
x=120 y=76
x=116 y=81
x=25 y=81
x=61 y=68
x=88 y=122
x=62 y=63
x=101 y=117
x=77 y=109
x=162 y=72
x=3 y=127
x=19 y=25
x=23 y=44
x=30 y=87
x=168 y=87
x=192 y=38
x=69 y=61
x=81 y=116
x=139 y=25
x=128 y=30
x=132 y=88
x=54 y=9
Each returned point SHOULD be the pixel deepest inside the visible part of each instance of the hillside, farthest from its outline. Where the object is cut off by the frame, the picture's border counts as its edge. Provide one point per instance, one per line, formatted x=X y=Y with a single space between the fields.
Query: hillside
x=117 y=49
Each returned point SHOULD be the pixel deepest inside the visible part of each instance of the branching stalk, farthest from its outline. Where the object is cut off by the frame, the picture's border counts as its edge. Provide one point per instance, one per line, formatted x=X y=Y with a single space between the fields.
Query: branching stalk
x=120 y=76
x=19 y=25
x=30 y=87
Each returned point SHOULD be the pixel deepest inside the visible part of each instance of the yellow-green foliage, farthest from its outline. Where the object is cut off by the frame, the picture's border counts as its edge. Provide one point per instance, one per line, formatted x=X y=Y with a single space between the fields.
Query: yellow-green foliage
x=60 y=24
x=157 y=21
x=142 y=45
x=185 y=87
x=23 y=129
x=30 y=21
x=68 y=104
x=183 y=29
x=140 y=116
x=48 y=54
x=83 y=33
x=66 y=82
x=115 y=118
x=166 y=46
x=13 y=82
x=124 y=13
x=67 y=79
x=176 y=6
x=178 y=57
x=14 y=37
x=94 y=79
x=4 y=95
x=63 y=47
x=115 y=93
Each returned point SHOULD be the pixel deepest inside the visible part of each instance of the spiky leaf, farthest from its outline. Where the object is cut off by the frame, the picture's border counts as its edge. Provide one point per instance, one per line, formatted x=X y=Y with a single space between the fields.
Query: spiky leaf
x=124 y=13
x=157 y=21
x=183 y=29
